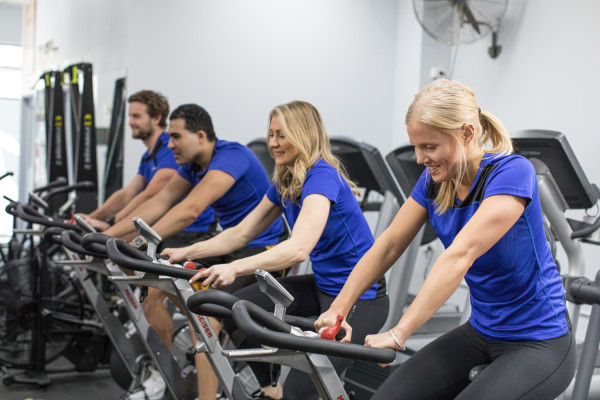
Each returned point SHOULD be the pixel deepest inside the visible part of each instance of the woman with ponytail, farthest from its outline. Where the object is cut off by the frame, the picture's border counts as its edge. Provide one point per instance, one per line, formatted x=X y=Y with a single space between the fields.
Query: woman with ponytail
x=484 y=204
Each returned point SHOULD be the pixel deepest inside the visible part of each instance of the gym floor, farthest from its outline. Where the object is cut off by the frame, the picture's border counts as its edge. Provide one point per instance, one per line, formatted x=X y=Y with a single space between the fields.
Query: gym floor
x=97 y=385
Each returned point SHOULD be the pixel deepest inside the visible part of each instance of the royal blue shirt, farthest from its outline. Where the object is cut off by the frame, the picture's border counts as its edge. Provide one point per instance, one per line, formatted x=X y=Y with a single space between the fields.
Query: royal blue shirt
x=250 y=185
x=346 y=236
x=162 y=157
x=515 y=289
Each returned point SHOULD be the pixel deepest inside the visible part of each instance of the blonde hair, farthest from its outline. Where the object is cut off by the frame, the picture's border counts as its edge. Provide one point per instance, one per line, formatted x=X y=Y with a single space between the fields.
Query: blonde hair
x=448 y=105
x=303 y=128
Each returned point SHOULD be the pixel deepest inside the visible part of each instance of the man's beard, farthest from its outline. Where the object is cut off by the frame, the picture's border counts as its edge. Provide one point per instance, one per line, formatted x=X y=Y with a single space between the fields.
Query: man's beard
x=143 y=134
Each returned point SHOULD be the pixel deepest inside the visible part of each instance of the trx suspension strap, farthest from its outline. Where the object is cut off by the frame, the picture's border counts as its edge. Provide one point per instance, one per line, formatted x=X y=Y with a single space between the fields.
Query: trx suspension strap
x=84 y=135
x=113 y=170
x=56 y=149
x=47 y=77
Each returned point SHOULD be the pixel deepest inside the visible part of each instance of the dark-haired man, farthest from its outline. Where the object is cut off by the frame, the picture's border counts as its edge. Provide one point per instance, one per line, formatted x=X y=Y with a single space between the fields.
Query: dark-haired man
x=224 y=175
x=148 y=113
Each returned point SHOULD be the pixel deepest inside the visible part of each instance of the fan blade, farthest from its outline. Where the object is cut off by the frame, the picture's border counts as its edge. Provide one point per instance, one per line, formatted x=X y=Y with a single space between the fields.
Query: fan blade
x=470 y=17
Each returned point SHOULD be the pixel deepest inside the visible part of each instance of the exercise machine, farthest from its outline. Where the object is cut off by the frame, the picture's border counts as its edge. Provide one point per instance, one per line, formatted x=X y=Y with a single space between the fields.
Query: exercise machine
x=284 y=344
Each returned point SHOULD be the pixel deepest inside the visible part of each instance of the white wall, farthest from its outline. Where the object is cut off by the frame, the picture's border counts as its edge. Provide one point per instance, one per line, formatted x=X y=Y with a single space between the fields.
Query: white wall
x=240 y=59
x=83 y=31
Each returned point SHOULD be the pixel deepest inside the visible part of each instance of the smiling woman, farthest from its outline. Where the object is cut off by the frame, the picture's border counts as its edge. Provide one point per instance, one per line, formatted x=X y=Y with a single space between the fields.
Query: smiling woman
x=484 y=205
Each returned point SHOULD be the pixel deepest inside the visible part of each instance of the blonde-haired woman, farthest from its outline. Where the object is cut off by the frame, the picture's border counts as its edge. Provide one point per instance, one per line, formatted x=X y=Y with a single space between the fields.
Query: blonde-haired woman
x=311 y=188
x=484 y=205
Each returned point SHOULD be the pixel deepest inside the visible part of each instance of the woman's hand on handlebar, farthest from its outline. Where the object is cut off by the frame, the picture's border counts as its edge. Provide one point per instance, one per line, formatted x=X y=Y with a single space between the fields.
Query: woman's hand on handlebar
x=392 y=339
x=382 y=340
x=176 y=254
x=216 y=276
x=328 y=320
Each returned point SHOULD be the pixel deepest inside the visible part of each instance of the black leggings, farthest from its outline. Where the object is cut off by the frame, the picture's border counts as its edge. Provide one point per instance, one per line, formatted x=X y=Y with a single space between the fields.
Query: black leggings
x=368 y=317
x=517 y=370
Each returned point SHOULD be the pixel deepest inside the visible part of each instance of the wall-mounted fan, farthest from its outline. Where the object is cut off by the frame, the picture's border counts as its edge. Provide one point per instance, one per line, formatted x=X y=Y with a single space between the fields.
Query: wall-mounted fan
x=457 y=22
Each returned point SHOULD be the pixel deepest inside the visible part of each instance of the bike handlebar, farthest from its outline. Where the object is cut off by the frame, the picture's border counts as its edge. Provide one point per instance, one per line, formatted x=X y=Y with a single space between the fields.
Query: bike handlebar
x=85 y=185
x=588 y=230
x=30 y=214
x=216 y=303
x=244 y=314
x=96 y=242
x=72 y=241
x=585 y=291
x=60 y=181
x=52 y=235
x=127 y=256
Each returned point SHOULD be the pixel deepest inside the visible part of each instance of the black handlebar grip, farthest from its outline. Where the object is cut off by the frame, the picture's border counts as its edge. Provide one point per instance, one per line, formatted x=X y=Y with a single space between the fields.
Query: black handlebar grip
x=282 y=340
x=128 y=256
x=95 y=241
x=72 y=241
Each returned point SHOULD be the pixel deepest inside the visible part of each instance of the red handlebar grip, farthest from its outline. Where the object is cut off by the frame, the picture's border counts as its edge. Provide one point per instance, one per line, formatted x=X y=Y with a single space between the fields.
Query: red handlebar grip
x=329 y=333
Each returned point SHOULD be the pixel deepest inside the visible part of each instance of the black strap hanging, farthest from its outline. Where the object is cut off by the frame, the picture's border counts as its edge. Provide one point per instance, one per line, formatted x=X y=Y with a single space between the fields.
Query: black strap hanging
x=113 y=170
x=84 y=135
x=56 y=156
x=47 y=77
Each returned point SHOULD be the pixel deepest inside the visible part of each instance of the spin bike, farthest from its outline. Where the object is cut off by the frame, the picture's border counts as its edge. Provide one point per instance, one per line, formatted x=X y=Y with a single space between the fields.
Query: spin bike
x=286 y=340
x=43 y=314
x=173 y=278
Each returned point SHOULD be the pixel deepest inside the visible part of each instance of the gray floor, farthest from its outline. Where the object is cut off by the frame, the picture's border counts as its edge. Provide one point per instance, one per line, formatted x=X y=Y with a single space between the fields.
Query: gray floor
x=96 y=385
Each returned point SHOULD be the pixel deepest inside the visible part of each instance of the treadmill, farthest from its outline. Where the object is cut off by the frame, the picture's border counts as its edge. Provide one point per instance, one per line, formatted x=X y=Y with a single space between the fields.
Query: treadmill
x=260 y=148
x=564 y=186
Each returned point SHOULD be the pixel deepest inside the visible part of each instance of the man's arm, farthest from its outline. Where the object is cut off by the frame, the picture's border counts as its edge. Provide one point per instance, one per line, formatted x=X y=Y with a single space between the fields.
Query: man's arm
x=122 y=196
x=214 y=185
x=151 y=210
x=159 y=180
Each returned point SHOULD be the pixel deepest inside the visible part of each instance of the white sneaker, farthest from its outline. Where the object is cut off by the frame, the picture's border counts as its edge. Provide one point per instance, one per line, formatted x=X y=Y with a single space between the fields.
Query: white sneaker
x=153 y=387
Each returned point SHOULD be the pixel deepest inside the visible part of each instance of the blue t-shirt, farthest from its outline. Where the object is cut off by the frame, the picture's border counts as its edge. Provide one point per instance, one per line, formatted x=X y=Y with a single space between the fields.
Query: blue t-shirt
x=346 y=237
x=250 y=185
x=162 y=157
x=516 y=291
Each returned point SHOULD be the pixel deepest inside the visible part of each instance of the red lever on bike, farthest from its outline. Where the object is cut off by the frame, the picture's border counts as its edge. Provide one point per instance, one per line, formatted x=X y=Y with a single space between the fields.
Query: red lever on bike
x=329 y=333
x=189 y=265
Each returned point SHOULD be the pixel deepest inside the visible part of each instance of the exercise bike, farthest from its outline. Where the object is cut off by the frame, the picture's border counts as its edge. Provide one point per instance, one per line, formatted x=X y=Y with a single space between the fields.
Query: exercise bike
x=43 y=313
x=286 y=340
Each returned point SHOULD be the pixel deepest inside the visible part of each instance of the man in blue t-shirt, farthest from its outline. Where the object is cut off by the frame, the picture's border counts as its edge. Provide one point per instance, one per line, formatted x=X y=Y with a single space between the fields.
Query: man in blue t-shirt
x=148 y=112
x=224 y=175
